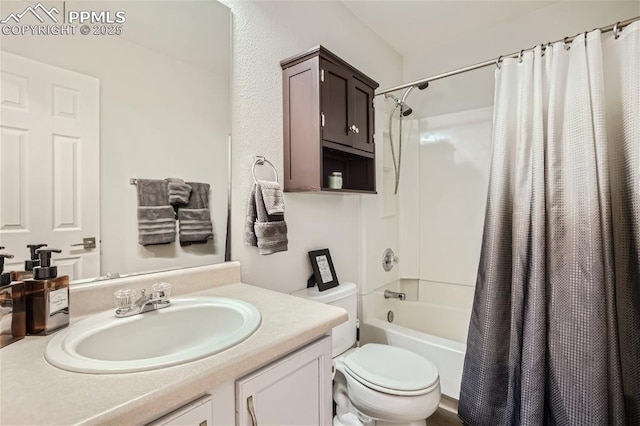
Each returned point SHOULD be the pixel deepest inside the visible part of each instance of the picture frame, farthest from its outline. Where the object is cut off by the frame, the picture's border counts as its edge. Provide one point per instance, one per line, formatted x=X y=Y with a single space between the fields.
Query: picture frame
x=324 y=273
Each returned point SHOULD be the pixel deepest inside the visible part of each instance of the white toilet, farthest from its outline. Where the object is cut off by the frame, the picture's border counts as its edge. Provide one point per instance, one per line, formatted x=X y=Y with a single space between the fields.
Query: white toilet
x=375 y=384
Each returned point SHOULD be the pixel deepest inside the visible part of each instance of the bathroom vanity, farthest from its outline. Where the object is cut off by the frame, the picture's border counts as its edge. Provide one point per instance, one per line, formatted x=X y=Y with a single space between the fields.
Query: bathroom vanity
x=280 y=374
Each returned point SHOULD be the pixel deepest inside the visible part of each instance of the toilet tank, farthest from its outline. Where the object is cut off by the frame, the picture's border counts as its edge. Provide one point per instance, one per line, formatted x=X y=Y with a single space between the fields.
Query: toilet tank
x=343 y=296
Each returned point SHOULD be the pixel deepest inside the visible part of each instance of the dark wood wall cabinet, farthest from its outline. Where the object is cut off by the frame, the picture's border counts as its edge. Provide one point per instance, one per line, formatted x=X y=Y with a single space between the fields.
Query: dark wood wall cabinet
x=328 y=124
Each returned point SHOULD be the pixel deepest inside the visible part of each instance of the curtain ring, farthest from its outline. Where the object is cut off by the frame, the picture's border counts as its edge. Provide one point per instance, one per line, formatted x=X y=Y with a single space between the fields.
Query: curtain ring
x=498 y=61
x=520 y=56
x=566 y=45
x=616 y=30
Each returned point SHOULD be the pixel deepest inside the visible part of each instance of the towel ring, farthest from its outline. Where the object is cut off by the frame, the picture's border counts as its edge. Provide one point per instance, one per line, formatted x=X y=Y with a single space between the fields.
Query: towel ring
x=261 y=160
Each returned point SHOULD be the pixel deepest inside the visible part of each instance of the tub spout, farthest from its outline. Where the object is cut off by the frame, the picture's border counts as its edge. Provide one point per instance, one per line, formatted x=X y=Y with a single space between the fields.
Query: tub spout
x=388 y=294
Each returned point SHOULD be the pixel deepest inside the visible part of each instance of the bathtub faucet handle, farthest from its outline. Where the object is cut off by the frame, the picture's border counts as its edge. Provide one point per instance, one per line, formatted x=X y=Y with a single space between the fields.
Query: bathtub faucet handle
x=388 y=294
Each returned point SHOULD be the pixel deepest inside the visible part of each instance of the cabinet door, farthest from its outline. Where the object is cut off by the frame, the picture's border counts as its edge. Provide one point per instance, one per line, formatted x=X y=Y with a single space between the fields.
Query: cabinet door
x=293 y=391
x=335 y=103
x=301 y=90
x=363 y=117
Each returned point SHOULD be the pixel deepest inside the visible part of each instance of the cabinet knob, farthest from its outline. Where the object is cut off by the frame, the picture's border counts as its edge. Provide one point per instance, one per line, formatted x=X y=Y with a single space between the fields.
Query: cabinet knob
x=354 y=129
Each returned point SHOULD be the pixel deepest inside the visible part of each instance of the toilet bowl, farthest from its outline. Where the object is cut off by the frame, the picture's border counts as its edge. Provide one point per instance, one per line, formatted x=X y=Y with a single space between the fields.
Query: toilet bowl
x=381 y=384
x=375 y=384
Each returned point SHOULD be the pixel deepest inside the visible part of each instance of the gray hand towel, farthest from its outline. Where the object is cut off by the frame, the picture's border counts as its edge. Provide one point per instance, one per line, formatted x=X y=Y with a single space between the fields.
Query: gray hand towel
x=195 y=218
x=195 y=226
x=152 y=192
x=267 y=232
x=199 y=198
x=272 y=196
x=156 y=225
x=249 y=231
x=156 y=219
x=179 y=192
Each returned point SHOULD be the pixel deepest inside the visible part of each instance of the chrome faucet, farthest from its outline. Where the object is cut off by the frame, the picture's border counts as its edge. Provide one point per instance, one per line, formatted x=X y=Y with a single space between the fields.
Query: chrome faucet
x=157 y=299
x=388 y=294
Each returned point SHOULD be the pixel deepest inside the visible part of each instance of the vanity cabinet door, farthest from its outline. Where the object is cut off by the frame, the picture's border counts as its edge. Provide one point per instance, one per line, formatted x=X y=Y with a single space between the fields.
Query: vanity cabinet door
x=295 y=390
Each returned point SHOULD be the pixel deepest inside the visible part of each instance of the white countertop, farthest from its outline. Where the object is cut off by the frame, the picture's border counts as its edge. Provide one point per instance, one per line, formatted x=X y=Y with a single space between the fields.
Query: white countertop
x=32 y=392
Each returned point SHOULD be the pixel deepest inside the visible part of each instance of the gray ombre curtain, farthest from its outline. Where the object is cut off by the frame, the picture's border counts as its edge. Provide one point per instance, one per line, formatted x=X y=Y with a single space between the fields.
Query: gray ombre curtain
x=554 y=337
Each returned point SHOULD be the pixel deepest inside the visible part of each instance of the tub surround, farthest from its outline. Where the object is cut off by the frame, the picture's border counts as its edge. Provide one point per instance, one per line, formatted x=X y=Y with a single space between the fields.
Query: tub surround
x=34 y=392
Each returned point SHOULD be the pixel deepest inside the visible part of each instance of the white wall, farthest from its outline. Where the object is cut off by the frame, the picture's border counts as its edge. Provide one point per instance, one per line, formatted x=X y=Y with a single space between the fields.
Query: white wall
x=475 y=89
x=160 y=116
x=454 y=156
x=264 y=33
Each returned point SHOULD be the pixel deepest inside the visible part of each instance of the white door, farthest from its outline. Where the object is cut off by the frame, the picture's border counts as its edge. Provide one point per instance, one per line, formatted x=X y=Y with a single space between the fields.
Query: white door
x=49 y=164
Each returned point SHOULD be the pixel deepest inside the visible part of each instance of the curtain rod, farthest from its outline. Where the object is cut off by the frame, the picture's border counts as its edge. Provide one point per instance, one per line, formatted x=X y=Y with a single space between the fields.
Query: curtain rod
x=613 y=27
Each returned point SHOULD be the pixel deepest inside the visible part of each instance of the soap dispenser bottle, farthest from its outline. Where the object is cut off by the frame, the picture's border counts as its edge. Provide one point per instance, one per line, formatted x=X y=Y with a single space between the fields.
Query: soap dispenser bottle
x=12 y=307
x=28 y=264
x=47 y=296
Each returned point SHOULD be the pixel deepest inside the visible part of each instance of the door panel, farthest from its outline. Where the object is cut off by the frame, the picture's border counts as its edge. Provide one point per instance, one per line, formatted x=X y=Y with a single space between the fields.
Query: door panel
x=49 y=163
x=363 y=116
x=335 y=104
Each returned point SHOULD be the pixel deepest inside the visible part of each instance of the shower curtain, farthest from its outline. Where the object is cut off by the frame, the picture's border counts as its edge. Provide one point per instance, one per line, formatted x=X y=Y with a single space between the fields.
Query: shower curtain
x=554 y=337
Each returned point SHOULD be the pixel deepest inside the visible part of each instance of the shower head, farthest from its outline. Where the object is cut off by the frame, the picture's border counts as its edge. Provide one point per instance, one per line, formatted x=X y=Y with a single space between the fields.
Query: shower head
x=405 y=109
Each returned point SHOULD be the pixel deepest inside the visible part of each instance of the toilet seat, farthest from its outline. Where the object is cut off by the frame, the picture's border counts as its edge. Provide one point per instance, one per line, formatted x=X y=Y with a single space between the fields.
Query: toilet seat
x=391 y=370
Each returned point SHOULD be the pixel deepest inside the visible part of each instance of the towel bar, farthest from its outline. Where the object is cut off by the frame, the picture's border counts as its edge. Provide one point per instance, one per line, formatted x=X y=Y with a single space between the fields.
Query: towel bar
x=260 y=159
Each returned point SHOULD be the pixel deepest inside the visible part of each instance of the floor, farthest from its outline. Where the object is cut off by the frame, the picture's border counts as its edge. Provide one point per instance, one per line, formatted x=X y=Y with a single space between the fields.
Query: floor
x=443 y=417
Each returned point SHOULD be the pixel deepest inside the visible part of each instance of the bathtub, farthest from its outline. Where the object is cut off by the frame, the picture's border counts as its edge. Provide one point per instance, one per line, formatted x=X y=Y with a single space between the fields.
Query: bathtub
x=436 y=332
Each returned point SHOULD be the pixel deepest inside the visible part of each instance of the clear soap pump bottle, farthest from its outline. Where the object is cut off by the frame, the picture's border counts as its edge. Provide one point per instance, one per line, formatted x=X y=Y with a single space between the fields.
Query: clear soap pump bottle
x=47 y=297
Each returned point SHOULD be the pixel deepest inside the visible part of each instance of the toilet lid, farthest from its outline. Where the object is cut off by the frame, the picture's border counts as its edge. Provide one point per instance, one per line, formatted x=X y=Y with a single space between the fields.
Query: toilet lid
x=391 y=367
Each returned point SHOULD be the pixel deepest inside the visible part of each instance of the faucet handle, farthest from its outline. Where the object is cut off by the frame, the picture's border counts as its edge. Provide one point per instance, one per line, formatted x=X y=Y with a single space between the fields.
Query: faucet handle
x=125 y=298
x=163 y=287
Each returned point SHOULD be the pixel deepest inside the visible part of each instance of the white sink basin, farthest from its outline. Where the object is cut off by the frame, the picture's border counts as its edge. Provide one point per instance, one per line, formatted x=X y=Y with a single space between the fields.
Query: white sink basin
x=189 y=329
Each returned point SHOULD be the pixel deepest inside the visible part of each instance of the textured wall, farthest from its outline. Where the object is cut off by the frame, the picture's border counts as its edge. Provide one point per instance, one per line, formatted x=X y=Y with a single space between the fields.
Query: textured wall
x=265 y=33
